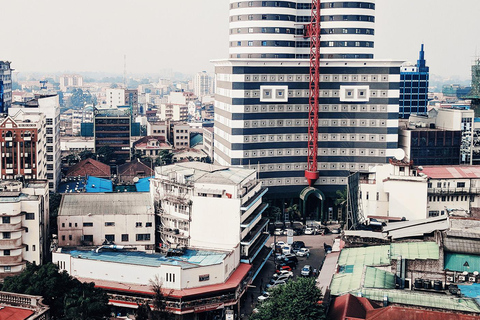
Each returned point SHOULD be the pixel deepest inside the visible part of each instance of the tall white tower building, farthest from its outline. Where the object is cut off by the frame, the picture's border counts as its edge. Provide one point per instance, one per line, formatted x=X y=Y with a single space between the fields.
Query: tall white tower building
x=276 y=29
x=202 y=84
x=262 y=96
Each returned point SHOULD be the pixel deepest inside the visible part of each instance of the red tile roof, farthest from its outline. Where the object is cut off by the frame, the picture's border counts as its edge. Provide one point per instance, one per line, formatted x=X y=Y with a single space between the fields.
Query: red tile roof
x=450 y=172
x=11 y=313
x=401 y=313
x=350 y=307
x=89 y=167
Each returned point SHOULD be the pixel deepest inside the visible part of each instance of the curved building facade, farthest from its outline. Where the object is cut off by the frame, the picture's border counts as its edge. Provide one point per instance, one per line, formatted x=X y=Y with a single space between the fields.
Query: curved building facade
x=275 y=29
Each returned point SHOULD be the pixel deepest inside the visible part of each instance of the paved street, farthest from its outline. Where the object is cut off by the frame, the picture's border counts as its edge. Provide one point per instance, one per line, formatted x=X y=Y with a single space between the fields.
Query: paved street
x=312 y=242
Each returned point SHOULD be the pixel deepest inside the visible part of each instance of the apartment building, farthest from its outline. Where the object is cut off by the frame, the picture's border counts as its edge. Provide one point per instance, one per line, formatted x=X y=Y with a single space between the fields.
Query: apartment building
x=5 y=86
x=23 y=146
x=24 y=225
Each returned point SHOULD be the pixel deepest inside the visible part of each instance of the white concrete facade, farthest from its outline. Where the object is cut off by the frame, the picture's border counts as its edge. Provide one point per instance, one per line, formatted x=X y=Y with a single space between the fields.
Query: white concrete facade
x=24 y=225
x=394 y=190
x=115 y=98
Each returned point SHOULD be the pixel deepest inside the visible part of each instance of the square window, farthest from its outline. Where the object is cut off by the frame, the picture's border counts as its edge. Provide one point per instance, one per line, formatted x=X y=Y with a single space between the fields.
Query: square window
x=5 y=219
x=7 y=269
x=6 y=252
x=110 y=237
x=31 y=216
x=138 y=224
x=6 y=235
x=148 y=224
x=124 y=237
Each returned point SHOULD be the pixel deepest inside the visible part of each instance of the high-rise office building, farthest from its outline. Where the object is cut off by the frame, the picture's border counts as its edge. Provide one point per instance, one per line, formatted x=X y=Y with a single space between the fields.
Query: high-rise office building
x=5 y=86
x=274 y=29
x=202 y=84
x=49 y=106
x=414 y=87
x=112 y=128
x=261 y=107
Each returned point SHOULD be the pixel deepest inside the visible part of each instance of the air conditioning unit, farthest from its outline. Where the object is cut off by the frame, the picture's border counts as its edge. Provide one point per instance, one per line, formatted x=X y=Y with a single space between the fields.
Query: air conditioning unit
x=461 y=278
x=450 y=279
x=472 y=279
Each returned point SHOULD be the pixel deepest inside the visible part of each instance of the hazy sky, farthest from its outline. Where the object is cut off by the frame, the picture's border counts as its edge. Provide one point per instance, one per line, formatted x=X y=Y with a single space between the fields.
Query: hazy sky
x=184 y=35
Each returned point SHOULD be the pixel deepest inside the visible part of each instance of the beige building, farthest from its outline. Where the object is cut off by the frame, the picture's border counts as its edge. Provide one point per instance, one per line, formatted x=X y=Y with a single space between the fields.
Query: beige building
x=180 y=135
x=24 y=225
x=124 y=219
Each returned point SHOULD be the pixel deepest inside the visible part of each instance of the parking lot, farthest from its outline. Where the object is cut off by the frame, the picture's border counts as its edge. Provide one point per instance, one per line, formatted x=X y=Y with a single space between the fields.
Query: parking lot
x=313 y=242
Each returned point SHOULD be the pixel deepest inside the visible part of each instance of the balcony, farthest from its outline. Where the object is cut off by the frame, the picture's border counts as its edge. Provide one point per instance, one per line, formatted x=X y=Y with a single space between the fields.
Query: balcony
x=258 y=195
x=252 y=216
x=254 y=249
x=10 y=243
x=176 y=233
x=10 y=260
x=253 y=234
x=10 y=227
x=452 y=191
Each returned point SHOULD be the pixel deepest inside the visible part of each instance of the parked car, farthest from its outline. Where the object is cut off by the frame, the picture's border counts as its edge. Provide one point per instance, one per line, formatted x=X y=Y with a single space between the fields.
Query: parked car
x=279 y=256
x=264 y=296
x=283 y=277
x=303 y=252
x=278 y=232
x=306 y=271
x=291 y=257
x=311 y=231
x=286 y=250
x=281 y=267
x=276 y=283
x=336 y=231
x=297 y=245
x=282 y=273
x=281 y=244
x=289 y=264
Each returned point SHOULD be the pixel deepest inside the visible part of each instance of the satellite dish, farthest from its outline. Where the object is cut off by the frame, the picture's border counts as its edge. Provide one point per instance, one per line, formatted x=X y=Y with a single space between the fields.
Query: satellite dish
x=399 y=154
x=135 y=179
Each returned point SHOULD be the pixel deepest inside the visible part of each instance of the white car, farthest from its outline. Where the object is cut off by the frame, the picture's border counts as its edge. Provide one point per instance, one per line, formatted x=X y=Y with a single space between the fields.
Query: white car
x=287 y=249
x=283 y=273
x=281 y=244
x=310 y=231
x=264 y=296
x=303 y=252
x=276 y=283
x=278 y=232
x=306 y=271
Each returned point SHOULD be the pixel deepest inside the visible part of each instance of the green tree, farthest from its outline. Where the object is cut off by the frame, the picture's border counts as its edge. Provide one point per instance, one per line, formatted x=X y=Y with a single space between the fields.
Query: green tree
x=105 y=154
x=67 y=297
x=166 y=156
x=294 y=213
x=159 y=311
x=85 y=154
x=296 y=300
x=72 y=159
x=341 y=201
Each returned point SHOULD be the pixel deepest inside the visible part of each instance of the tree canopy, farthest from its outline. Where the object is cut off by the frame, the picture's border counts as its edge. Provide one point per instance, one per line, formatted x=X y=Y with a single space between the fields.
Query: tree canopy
x=67 y=297
x=296 y=300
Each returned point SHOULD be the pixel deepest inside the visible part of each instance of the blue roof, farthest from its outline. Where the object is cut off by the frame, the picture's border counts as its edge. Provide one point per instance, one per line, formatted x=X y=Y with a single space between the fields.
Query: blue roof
x=143 y=185
x=190 y=259
x=95 y=184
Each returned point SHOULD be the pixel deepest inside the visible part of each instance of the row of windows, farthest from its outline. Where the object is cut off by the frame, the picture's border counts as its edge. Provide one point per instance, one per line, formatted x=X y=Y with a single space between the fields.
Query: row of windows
x=302 y=56
x=450 y=198
x=322 y=108
x=323 y=78
x=302 y=44
x=287 y=17
x=322 y=152
x=446 y=185
x=28 y=216
x=111 y=237
x=107 y=224
x=329 y=93
x=304 y=6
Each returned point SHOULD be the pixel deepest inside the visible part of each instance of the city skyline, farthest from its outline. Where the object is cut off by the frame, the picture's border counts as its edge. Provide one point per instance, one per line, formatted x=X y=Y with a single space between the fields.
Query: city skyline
x=46 y=37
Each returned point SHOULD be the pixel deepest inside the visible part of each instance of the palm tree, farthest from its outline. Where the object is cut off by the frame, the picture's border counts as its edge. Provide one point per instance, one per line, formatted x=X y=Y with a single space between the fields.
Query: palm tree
x=341 y=201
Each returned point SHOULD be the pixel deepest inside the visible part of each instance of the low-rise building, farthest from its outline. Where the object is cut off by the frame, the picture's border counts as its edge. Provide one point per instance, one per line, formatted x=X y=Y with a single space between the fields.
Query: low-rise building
x=22 y=307
x=24 y=225
x=383 y=192
x=189 y=197
x=123 y=219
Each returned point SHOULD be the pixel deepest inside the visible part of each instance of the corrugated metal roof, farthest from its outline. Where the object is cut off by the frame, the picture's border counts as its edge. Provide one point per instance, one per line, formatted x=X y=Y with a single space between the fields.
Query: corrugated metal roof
x=406 y=229
x=377 y=278
x=79 y=204
x=451 y=172
x=460 y=245
x=358 y=258
x=409 y=297
x=462 y=262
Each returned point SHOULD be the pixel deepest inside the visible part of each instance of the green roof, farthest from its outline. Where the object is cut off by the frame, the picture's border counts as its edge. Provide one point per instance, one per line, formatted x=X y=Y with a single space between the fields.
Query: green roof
x=375 y=283
x=413 y=298
x=415 y=250
x=462 y=262
x=377 y=278
x=357 y=258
